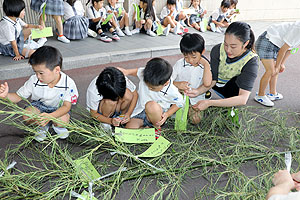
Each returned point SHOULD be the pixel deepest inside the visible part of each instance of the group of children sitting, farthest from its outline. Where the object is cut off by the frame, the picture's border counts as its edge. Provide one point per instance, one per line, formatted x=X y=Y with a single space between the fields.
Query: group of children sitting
x=112 y=98
x=15 y=33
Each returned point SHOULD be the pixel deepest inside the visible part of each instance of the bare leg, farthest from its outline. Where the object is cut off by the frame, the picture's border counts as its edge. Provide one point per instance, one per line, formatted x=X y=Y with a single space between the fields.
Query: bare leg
x=273 y=83
x=168 y=20
x=269 y=65
x=153 y=112
x=148 y=24
x=30 y=110
x=59 y=25
x=135 y=123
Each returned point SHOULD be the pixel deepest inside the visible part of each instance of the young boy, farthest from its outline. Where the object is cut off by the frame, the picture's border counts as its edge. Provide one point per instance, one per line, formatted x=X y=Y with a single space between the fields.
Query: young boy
x=192 y=71
x=158 y=97
x=111 y=97
x=170 y=16
x=217 y=18
x=52 y=92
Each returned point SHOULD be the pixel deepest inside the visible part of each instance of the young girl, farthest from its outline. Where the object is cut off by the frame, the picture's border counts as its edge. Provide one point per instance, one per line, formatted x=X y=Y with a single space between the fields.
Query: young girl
x=168 y=16
x=196 y=19
x=55 y=8
x=147 y=17
x=156 y=22
x=232 y=11
x=122 y=18
x=75 y=25
x=97 y=15
x=273 y=47
x=12 y=36
x=181 y=16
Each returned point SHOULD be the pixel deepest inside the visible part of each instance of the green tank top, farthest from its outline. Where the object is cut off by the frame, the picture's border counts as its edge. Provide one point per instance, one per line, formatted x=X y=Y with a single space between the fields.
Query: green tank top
x=229 y=70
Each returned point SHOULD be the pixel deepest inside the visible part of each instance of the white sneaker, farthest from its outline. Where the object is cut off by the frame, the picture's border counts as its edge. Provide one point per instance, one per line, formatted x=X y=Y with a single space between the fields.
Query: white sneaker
x=105 y=38
x=167 y=30
x=106 y=127
x=92 y=33
x=202 y=27
x=182 y=23
x=151 y=33
x=213 y=27
x=42 y=41
x=264 y=100
x=135 y=31
x=177 y=29
x=274 y=97
x=40 y=135
x=63 y=39
x=127 y=31
x=62 y=132
x=115 y=36
x=120 y=32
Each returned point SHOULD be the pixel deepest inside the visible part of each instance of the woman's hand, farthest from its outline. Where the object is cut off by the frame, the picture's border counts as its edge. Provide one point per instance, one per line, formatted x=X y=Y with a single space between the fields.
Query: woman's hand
x=202 y=105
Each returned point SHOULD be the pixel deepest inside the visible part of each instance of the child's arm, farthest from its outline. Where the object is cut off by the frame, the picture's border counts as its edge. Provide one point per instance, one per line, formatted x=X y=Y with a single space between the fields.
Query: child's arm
x=218 y=23
x=167 y=114
x=131 y=108
x=34 y=26
x=11 y=96
x=63 y=110
x=182 y=85
x=126 y=72
x=207 y=76
x=16 y=51
x=102 y=118
x=283 y=54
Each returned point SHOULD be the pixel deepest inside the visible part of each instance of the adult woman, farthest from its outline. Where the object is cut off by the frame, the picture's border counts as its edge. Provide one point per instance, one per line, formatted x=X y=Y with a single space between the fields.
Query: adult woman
x=234 y=68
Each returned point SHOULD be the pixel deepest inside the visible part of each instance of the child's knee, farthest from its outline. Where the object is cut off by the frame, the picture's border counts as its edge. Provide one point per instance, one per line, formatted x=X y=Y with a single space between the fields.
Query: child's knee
x=128 y=96
x=152 y=107
x=65 y=118
x=31 y=110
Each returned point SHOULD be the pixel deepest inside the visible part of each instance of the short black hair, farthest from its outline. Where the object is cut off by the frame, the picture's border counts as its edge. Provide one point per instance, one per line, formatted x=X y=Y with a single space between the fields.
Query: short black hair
x=171 y=2
x=111 y=84
x=13 y=8
x=157 y=72
x=47 y=55
x=192 y=42
x=234 y=2
x=225 y=3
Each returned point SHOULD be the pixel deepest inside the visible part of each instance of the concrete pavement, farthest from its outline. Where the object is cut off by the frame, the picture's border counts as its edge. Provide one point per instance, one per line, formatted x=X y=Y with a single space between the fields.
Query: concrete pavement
x=90 y=52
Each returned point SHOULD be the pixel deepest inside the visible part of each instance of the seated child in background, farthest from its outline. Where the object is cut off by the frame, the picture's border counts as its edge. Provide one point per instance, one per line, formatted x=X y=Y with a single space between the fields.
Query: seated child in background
x=217 y=18
x=111 y=97
x=97 y=14
x=156 y=22
x=181 y=16
x=195 y=20
x=158 y=97
x=232 y=11
x=192 y=71
x=52 y=92
x=12 y=37
x=76 y=24
x=122 y=18
x=147 y=16
x=168 y=16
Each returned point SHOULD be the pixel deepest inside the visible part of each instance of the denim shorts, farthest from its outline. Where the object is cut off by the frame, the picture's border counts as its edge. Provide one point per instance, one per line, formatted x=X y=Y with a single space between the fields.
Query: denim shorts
x=266 y=49
x=42 y=107
x=142 y=115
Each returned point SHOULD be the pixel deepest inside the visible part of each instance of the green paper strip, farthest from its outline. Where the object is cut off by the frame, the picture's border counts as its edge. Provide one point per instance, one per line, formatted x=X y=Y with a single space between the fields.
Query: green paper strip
x=120 y=12
x=205 y=24
x=294 y=50
x=87 y=170
x=37 y=33
x=146 y=135
x=159 y=30
x=108 y=18
x=137 y=12
x=157 y=148
x=181 y=116
x=85 y=195
x=44 y=11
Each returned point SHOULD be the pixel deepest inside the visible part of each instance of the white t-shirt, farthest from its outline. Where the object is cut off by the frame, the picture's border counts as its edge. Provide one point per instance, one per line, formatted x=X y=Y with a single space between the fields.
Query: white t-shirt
x=68 y=10
x=287 y=32
x=114 y=9
x=64 y=90
x=179 y=5
x=216 y=13
x=165 y=12
x=290 y=196
x=183 y=71
x=165 y=98
x=93 y=97
x=8 y=28
x=93 y=13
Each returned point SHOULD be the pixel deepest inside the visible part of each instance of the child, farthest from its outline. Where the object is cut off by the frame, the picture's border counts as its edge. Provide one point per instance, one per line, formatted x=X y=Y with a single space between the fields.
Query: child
x=122 y=18
x=76 y=24
x=11 y=35
x=97 y=14
x=232 y=11
x=158 y=97
x=217 y=19
x=111 y=97
x=156 y=22
x=55 y=8
x=195 y=20
x=193 y=70
x=181 y=16
x=168 y=16
x=52 y=92
x=147 y=16
x=273 y=47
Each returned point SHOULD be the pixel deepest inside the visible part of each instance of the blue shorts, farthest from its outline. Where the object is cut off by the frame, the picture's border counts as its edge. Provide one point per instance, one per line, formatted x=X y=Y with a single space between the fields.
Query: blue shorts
x=265 y=49
x=42 y=107
x=142 y=115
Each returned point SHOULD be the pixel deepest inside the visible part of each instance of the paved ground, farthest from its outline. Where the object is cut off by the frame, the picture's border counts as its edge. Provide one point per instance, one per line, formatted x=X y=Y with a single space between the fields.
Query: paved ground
x=90 y=52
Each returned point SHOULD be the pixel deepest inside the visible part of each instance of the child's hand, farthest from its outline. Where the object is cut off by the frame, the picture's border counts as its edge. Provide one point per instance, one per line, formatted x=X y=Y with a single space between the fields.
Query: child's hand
x=45 y=119
x=125 y=119
x=204 y=12
x=19 y=57
x=164 y=117
x=283 y=177
x=109 y=11
x=183 y=85
x=116 y=121
x=282 y=68
x=296 y=178
x=40 y=27
x=116 y=13
x=4 y=90
x=192 y=92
